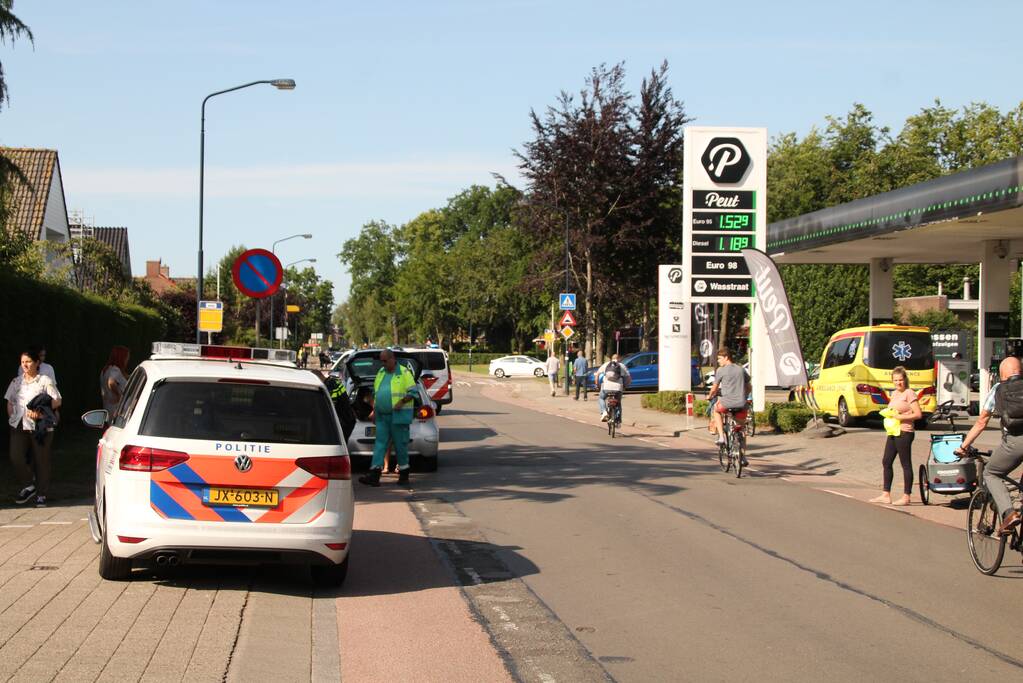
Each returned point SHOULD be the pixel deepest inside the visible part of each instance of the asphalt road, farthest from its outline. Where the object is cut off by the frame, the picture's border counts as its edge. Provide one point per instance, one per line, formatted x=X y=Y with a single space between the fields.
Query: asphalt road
x=663 y=568
x=540 y=551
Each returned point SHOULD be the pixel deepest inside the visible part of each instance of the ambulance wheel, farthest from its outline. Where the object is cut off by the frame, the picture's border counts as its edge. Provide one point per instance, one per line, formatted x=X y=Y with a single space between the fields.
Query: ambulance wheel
x=925 y=492
x=112 y=568
x=331 y=575
x=844 y=418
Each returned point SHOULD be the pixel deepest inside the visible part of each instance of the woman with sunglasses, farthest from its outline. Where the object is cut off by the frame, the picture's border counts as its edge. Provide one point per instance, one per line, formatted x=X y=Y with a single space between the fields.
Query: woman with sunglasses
x=907 y=411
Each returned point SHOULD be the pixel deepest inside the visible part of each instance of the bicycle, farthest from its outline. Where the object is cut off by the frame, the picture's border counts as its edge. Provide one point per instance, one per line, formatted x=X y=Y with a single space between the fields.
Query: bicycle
x=613 y=402
x=751 y=422
x=983 y=520
x=732 y=453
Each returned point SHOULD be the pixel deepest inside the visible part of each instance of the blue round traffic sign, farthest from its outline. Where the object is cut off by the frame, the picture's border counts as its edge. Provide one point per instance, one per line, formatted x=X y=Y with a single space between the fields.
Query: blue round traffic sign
x=257 y=273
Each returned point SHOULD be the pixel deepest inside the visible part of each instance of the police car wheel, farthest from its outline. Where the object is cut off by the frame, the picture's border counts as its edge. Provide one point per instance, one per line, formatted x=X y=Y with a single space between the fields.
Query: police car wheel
x=330 y=575
x=112 y=568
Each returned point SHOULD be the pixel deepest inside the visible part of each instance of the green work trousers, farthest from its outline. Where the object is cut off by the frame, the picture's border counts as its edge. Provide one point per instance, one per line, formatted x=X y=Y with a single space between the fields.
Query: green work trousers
x=390 y=432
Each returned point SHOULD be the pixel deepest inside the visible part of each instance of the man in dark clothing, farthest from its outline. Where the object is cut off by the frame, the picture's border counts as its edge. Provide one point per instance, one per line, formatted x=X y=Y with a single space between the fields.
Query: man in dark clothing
x=342 y=405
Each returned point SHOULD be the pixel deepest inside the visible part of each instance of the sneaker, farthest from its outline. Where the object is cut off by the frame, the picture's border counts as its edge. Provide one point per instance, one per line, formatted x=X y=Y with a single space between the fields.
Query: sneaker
x=745 y=462
x=40 y=501
x=720 y=441
x=26 y=494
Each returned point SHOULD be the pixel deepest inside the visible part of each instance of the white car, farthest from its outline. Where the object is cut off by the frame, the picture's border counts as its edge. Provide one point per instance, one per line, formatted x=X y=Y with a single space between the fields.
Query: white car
x=222 y=455
x=516 y=366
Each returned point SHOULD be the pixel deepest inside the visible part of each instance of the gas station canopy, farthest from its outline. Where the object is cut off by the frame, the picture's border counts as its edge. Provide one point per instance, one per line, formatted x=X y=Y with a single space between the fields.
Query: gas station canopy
x=945 y=220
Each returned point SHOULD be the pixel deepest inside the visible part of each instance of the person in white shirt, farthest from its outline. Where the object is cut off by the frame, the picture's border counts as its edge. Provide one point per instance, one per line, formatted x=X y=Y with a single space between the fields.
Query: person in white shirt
x=612 y=376
x=113 y=378
x=553 y=365
x=22 y=420
x=44 y=367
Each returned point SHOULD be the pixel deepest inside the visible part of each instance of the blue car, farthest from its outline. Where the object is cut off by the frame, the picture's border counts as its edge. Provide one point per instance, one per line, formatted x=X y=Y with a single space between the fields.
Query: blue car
x=642 y=367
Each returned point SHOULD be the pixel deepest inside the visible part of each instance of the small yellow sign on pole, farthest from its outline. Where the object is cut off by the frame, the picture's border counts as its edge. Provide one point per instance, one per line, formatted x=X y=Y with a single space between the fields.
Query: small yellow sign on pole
x=292 y=308
x=211 y=316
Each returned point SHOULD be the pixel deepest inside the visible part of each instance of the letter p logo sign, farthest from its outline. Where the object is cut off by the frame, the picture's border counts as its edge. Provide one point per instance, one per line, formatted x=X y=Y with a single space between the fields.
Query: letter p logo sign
x=726 y=160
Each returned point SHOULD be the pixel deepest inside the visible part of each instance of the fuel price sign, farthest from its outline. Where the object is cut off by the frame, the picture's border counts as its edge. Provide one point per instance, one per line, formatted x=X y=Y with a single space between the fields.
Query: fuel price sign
x=732 y=221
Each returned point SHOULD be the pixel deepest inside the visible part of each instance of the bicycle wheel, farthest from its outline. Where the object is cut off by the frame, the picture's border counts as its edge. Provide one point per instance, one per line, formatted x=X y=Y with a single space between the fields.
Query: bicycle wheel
x=723 y=456
x=925 y=491
x=751 y=424
x=739 y=446
x=611 y=427
x=981 y=523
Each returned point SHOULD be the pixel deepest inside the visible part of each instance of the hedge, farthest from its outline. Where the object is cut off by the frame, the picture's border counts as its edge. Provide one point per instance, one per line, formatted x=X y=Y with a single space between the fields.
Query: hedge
x=77 y=330
x=793 y=419
x=462 y=357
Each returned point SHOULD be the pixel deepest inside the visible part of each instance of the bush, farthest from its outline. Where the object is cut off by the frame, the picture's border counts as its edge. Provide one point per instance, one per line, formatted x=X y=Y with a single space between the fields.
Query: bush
x=793 y=419
x=77 y=331
x=771 y=413
x=665 y=401
x=700 y=407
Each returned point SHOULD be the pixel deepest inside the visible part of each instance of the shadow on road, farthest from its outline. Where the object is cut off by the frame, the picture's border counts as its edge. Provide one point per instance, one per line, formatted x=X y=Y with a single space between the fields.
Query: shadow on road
x=455 y=434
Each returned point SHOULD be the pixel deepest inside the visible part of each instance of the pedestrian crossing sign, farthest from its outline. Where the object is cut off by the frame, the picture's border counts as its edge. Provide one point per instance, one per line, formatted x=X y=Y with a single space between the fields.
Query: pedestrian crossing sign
x=566 y=301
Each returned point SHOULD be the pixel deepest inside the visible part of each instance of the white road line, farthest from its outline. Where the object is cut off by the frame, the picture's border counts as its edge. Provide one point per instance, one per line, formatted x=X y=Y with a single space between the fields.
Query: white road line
x=54 y=523
x=844 y=495
x=16 y=526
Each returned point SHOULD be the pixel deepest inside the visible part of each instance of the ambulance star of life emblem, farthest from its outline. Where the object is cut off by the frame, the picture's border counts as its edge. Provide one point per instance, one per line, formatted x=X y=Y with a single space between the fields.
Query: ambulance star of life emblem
x=243 y=463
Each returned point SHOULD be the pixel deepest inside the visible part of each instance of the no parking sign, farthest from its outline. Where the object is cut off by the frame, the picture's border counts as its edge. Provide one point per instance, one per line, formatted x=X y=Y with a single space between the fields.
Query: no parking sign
x=257 y=273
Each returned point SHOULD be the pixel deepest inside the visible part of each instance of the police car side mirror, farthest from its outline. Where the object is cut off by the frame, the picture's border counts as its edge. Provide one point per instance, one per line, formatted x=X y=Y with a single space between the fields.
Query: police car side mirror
x=97 y=419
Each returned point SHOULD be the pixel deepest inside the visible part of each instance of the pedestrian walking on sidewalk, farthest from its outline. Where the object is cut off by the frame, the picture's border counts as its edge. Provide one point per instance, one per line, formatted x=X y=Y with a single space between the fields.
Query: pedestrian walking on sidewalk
x=394 y=391
x=553 y=365
x=906 y=410
x=32 y=399
x=44 y=367
x=579 y=367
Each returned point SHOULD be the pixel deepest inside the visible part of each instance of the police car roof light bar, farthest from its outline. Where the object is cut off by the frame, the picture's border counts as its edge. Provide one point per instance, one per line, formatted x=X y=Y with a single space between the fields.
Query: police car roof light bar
x=180 y=350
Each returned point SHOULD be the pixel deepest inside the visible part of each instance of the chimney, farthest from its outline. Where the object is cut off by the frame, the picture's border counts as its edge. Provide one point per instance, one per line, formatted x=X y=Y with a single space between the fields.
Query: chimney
x=152 y=269
x=966 y=289
x=165 y=271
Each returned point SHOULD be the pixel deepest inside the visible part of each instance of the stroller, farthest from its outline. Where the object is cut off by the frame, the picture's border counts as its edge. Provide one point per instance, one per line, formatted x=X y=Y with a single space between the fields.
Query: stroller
x=945 y=472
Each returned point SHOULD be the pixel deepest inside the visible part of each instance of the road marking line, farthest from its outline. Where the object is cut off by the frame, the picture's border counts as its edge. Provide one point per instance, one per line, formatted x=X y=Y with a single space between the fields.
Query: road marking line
x=16 y=526
x=844 y=495
x=54 y=523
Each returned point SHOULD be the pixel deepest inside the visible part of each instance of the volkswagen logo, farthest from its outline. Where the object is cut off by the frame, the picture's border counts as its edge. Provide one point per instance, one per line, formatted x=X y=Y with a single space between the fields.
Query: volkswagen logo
x=243 y=463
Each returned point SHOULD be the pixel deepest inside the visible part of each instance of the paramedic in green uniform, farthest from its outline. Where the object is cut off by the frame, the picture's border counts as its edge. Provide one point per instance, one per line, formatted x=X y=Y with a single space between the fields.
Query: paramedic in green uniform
x=393 y=390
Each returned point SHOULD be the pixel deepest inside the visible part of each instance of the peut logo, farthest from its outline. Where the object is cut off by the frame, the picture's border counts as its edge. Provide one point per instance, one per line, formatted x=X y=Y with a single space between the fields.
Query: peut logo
x=726 y=160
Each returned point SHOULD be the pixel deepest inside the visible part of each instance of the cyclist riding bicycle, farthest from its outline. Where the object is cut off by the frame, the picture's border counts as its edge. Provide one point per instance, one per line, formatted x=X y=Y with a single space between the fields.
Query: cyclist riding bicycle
x=731 y=387
x=612 y=376
x=1006 y=400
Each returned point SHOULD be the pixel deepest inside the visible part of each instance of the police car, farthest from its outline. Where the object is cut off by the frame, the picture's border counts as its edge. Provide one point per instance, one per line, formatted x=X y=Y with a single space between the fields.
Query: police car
x=222 y=455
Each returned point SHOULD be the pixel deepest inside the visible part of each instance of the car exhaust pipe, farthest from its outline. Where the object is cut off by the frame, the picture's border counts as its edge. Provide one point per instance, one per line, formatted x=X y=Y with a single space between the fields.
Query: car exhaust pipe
x=172 y=560
x=161 y=559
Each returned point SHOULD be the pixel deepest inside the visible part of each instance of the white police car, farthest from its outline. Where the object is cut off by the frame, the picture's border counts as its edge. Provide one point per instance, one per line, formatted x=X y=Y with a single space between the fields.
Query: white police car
x=222 y=455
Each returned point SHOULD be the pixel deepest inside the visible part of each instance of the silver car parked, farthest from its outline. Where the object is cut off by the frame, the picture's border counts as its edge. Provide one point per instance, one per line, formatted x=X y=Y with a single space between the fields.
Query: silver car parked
x=358 y=370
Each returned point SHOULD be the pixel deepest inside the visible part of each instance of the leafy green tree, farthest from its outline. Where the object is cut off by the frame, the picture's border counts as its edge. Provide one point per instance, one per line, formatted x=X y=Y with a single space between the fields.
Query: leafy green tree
x=372 y=261
x=11 y=28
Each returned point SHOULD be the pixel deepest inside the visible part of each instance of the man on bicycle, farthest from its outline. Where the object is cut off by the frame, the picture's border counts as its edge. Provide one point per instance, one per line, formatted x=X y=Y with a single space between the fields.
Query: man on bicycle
x=612 y=376
x=1005 y=399
x=731 y=387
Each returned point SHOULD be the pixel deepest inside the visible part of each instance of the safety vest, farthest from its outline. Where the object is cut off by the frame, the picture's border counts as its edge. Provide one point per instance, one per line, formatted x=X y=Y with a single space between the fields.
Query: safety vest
x=402 y=383
x=338 y=390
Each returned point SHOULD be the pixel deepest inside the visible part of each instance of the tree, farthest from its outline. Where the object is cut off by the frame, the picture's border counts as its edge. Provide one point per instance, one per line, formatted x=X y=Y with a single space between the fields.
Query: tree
x=612 y=172
x=11 y=28
x=371 y=259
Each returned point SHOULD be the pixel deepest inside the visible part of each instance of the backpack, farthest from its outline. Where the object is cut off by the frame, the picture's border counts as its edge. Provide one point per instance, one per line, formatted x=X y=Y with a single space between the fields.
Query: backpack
x=613 y=372
x=1009 y=405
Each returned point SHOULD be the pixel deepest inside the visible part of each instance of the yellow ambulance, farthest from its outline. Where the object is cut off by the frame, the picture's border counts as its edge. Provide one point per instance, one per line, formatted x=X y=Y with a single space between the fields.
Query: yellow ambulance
x=856 y=370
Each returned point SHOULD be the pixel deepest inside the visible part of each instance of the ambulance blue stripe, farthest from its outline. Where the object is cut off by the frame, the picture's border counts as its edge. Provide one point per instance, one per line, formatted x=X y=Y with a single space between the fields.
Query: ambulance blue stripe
x=165 y=504
x=194 y=483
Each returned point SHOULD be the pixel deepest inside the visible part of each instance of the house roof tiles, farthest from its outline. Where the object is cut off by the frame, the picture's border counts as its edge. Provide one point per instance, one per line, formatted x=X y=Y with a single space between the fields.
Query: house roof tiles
x=28 y=202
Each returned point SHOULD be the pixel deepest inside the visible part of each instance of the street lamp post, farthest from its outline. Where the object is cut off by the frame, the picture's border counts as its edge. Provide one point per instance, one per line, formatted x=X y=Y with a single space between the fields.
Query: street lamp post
x=302 y=260
x=273 y=250
x=280 y=84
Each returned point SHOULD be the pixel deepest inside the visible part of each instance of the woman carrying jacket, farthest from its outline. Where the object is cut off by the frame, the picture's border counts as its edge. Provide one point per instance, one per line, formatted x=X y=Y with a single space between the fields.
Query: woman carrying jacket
x=29 y=385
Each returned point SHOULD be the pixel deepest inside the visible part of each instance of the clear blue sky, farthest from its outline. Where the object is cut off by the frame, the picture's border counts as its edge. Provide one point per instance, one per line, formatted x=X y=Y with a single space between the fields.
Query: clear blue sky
x=401 y=105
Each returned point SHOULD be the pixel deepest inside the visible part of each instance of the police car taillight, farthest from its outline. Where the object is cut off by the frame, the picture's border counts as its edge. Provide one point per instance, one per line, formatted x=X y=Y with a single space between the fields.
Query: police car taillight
x=180 y=350
x=145 y=459
x=329 y=467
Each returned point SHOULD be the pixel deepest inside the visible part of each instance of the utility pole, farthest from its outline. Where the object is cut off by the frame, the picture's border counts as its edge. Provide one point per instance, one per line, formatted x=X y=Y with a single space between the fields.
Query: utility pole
x=567 y=290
